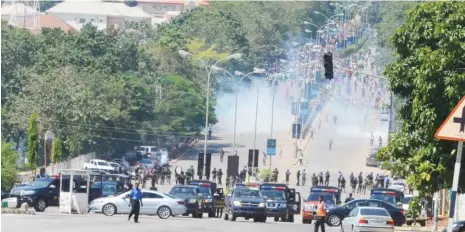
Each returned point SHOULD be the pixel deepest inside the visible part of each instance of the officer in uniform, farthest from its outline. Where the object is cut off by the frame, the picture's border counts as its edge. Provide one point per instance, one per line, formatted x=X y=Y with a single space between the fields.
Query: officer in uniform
x=136 y=202
x=320 y=215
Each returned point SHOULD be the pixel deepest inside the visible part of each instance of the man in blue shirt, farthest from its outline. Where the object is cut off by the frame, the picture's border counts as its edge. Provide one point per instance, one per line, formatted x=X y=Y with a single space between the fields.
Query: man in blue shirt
x=136 y=202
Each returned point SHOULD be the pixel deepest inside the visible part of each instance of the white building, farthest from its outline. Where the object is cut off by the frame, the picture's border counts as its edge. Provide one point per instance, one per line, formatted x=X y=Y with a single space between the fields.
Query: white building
x=77 y=13
x=159 y=8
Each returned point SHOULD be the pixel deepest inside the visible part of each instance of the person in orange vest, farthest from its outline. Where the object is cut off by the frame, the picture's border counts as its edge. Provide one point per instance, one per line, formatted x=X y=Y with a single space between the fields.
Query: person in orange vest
x=320 y=215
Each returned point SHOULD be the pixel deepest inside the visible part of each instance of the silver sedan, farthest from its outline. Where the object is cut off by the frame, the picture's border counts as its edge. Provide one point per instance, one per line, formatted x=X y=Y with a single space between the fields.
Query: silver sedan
x=155 y=203
x=368 y=219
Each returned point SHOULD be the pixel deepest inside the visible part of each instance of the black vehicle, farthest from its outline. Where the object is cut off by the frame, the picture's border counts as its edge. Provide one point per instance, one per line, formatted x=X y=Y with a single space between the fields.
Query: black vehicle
x=282 y=202
x=207 y=189
x=391 y=196
x=459 y=226
x=41 y=193
x=337 y=214
x=194 y=201
x=104 y=189
x=245 y=202
x=103 y=185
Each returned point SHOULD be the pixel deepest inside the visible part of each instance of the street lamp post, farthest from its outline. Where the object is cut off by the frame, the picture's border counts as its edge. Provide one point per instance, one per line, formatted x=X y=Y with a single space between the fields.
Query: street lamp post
x=183 y=53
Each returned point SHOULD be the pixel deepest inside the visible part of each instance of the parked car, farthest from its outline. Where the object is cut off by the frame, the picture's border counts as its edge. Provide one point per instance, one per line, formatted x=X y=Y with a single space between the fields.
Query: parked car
x=99 y=165
x=398 y=185
x=368 y=219
x=336 y=215
x=458 y=226
x=155 y=203
x=422 y=218
x=371 y=159
x=147 y=163
x=193 y=198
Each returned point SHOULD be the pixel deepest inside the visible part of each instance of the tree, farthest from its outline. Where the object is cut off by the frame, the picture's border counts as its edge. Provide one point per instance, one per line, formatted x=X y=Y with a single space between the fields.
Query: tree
x=429 y=73
x=32 y=142
x=57 y=151
x=9 y=159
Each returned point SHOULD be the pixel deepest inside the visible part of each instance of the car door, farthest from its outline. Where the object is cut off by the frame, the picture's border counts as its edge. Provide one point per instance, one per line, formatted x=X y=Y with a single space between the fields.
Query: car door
x=151 y=203
x=349 y=220
x=122 y=202
x=348 y=208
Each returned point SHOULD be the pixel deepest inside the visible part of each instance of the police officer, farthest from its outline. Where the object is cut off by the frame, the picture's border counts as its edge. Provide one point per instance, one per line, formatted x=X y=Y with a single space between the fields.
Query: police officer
x=136 y=202
x=298 y=177
x=288 y=173
x=214 y=175
x=320 y=215
x=348 y=199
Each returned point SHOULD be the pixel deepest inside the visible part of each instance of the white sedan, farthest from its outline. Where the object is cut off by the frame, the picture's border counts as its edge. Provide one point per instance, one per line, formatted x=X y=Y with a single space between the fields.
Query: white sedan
x=371 y=219
x=155 y=203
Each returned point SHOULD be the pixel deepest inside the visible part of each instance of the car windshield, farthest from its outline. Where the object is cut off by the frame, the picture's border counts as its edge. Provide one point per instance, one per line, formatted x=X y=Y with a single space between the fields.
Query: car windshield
x=274 y=195
x=114 y=165
x=177 y=191
x=102 y=163
x=327 y=197
x=391 y=199
x=374 y=212
x=247 y=193
x=41 y=183
x=407 y=200
x=146 y=161
x=205 y=190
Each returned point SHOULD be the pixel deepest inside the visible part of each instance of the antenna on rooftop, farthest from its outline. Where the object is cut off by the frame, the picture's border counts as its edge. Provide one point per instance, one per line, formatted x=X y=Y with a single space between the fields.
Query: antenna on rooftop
x=25 y=13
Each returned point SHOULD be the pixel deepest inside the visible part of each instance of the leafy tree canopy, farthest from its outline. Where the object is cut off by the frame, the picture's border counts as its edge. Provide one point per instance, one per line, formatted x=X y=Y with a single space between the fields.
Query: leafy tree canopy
x=429 y=73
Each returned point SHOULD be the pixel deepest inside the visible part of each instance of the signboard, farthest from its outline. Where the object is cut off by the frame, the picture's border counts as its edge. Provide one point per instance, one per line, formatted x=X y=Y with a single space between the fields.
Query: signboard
x=453 y=127
x=271 y=146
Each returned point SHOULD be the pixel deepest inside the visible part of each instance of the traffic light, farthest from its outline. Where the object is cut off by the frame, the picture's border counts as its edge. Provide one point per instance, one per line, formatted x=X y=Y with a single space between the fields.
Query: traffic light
x=200 y=164
x=296 y=131
x=328 y=63
x=208 y=163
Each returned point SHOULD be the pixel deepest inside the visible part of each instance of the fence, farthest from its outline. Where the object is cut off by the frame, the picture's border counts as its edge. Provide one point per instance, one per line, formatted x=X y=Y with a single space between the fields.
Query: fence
x=74 y=163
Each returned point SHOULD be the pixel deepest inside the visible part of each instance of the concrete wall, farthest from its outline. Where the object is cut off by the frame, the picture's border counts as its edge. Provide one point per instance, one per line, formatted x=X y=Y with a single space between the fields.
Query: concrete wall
x=75 y=163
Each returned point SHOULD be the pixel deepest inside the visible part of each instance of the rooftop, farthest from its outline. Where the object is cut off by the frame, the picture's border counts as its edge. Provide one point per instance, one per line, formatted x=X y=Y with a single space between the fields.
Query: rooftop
x=178 y=2
x=96 y=7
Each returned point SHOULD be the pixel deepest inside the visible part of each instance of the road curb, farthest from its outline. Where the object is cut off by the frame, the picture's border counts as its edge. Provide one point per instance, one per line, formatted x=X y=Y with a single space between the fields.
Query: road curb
x=17 y=211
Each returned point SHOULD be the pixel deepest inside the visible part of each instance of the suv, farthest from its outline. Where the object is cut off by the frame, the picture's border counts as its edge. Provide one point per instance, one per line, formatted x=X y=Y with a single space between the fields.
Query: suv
x=192 y=197
x=40 y=193
x=245 y=202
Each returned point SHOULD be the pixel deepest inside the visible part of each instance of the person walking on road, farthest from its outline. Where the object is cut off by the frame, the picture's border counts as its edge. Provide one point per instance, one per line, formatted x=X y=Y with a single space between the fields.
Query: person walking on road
x=221 y=155
x=320 y=215
x=136 y=202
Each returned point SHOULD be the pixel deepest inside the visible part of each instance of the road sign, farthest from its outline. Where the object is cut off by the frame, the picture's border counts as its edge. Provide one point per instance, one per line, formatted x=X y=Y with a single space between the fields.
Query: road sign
x=454 y=126
x=271 y=146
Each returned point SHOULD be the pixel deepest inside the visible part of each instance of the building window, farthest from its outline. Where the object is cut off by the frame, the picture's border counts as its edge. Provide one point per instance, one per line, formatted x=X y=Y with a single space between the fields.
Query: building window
x=101 y=20
x=158 y=7
x=82 y=20
x=169 y=8
x=92 y=20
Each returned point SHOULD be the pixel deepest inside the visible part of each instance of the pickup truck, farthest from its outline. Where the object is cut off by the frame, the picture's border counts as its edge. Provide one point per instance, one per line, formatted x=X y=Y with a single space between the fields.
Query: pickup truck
x=99 y=165
x=245 y=202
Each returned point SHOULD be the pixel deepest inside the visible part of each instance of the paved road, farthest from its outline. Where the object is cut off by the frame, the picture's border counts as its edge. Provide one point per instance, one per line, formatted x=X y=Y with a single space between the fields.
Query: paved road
x=91 y=223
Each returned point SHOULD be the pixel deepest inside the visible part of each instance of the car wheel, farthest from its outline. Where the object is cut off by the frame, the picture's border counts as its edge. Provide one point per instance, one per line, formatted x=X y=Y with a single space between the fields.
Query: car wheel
x=226 y=216
x=164 y=212
x=263 y=219
x=109 y=209
x=276 y=219
x=409 y=223
x=255 y=219
x=306 y=221
x=290 y=218
x=40 y=205
x=422 y=223
x=232 y=217
x=334 y=220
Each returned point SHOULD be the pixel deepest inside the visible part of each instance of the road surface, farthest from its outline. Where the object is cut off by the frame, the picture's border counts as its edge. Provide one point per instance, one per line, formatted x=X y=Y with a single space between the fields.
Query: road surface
x=119 y=223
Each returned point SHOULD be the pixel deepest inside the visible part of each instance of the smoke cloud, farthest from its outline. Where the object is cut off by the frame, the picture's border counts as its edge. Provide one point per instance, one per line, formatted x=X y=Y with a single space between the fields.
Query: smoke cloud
x=246 y=106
